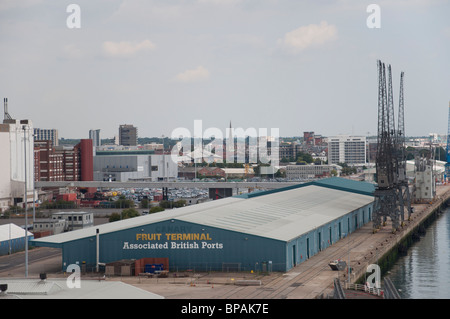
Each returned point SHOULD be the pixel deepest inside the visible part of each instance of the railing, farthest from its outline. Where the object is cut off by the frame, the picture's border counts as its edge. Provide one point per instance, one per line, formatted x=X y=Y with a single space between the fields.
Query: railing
x=373 y=291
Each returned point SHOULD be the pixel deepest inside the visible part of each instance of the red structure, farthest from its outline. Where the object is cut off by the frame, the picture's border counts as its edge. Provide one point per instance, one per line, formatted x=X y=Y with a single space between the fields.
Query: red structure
x=86 y=159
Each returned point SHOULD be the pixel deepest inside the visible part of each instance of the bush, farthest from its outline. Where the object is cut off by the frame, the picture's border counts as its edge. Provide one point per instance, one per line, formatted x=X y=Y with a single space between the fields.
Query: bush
x=125 y=214
x=156 y=209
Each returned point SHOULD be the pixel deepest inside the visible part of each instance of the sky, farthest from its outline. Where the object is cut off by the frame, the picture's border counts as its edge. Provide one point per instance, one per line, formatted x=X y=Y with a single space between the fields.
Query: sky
x=159 y=65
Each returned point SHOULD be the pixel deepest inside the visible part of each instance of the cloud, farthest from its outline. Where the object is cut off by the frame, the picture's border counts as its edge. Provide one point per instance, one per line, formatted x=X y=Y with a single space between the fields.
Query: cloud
x=306 y=37
x=126 y=49
x=71 y=51
x=219 y=2
x=193 y=75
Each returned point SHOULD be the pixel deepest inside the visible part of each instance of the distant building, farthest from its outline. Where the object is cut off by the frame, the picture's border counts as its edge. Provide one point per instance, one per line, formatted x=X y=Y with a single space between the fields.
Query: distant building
x=308 y=138
x=211 y=172
x=64 y=163
x=94 y=135
x=46 y=134
x=47 y=227
x=75 y=220
x=134 y=167
x=347 y=149
x=127 y=135
x=308 y=171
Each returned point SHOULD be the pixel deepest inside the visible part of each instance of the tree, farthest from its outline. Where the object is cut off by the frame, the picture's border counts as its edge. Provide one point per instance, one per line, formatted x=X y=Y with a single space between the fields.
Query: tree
x=125 y=214
x=302 y=156
x=122 y=202
x=156 y=209
x=144 y=203
x=129 y=213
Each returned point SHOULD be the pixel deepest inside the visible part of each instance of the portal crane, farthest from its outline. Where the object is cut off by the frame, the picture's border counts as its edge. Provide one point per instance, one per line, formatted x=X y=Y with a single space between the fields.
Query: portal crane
x=447 y=164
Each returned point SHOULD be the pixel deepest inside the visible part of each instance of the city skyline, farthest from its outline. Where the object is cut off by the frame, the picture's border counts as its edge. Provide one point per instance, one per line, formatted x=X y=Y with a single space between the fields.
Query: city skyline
x=160 y=65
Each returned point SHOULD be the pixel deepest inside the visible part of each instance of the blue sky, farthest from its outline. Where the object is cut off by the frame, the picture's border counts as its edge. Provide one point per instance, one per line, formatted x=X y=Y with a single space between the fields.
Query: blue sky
x=159 y=65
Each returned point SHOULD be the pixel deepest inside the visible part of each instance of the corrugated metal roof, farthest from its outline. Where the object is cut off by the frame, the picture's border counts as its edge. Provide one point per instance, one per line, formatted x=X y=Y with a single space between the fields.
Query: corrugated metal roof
x=281 y=215
x=338 y=183
x=12 y=231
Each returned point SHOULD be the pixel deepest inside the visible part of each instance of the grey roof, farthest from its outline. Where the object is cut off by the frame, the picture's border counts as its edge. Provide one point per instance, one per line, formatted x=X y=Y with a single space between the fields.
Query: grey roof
x=280 y=215
x=12 y=231
x=22 y=288
x=284 y=215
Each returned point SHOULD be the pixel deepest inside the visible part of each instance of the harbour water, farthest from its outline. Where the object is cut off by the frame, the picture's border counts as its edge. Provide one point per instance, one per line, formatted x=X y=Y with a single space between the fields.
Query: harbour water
x=424 y=272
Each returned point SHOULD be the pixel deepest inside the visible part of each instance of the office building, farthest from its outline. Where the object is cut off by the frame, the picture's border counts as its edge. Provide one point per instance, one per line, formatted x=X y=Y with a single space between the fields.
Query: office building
x=308 y=171
x=347 y=149
x=94 y=135
x=46 y=134
x=127 y=135
x=64 y=163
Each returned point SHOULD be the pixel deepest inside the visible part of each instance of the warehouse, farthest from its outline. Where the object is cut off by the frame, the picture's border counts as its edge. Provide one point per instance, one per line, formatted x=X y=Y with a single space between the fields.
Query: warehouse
x=269 y=230
x=13 y=238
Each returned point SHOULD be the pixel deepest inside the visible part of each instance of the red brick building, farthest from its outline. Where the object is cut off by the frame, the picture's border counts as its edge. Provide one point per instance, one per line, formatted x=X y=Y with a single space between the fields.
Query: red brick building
x=63 y=164
x=211 y=172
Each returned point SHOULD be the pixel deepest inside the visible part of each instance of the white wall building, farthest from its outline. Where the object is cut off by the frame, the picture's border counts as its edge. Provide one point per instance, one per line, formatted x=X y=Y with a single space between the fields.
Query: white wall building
x=134 y=167
x=347 y=149
x=308 y=171
x=75 y=220
x=12 y=162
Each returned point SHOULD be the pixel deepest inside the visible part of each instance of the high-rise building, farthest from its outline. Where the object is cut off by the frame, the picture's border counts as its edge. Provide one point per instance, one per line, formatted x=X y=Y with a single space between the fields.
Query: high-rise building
x=46 y=135
x=127 y=135
x=94 y=135
x=347 y=149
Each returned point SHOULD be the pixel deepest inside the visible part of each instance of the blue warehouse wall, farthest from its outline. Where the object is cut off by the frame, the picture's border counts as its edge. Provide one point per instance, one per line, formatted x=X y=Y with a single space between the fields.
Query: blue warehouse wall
x=16 y=244
x=186 y=245
x=309 y=244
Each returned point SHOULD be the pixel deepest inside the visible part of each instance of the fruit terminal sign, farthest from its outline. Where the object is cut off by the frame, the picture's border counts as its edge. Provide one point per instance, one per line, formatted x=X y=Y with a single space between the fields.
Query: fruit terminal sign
x=159 y=241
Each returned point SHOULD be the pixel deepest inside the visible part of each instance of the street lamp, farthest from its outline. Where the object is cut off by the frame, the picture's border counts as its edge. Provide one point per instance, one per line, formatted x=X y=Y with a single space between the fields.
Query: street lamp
x=24 y=127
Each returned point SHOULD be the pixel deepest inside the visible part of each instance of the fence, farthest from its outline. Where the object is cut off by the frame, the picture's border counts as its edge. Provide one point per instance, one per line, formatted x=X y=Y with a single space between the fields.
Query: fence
x=374 y=291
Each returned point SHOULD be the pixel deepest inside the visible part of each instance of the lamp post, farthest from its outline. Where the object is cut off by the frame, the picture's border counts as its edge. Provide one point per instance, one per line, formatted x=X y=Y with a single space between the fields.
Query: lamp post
x=25 y=197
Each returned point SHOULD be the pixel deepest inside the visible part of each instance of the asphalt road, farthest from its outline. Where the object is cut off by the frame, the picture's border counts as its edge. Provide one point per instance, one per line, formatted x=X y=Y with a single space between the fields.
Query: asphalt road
x=40 y=259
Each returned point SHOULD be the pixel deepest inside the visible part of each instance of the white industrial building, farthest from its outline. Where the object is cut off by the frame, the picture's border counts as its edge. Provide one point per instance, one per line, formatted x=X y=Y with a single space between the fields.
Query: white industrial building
x=134 y=167
x=347 y=149
x=16 y=145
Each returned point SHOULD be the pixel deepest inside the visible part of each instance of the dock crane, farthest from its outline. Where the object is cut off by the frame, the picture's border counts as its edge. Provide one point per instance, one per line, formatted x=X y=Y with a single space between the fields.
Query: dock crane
x=447 y=164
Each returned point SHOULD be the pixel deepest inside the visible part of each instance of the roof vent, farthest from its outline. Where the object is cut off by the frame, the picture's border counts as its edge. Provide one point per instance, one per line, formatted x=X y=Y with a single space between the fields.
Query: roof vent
x=3 y=288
